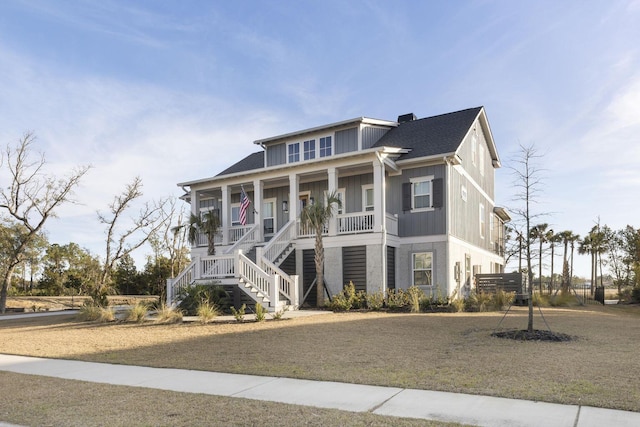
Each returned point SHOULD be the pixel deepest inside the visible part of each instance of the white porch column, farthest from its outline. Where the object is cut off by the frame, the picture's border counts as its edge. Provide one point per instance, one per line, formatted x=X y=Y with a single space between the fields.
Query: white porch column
x=225 y=213
x=379 y=209
x=332 y=175
x=257 y=208
x=294 y=202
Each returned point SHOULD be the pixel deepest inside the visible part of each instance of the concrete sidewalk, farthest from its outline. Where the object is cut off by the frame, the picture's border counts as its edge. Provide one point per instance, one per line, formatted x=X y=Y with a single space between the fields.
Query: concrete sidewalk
x=422 y=404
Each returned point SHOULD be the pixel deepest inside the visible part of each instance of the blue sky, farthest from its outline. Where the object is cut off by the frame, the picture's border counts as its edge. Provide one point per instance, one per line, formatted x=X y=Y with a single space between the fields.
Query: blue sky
x=173 y=91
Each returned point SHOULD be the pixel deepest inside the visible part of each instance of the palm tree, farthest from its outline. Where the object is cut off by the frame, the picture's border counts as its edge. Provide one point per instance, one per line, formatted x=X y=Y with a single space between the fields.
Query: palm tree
x=316 y=216
x=585 y=246
x=539 y=232
x=566 y=237
x=552 y=238
x=207 y=223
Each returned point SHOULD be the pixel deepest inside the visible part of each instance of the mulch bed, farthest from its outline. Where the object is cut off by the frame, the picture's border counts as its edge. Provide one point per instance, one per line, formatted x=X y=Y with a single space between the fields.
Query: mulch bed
x=535 y=335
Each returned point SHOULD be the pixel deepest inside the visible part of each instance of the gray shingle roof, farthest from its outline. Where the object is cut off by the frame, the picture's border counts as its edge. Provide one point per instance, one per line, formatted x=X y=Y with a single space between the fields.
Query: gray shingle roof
x=424 y=137
x=432 y=135
x=251 y=162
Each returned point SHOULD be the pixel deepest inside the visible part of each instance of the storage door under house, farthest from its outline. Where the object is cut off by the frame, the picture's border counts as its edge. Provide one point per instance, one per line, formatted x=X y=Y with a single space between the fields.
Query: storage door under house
x=354 y=266
x=391 y=267
x=308 y=276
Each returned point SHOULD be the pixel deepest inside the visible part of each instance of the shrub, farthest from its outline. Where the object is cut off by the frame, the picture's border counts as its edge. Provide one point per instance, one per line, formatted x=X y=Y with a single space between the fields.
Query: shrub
x=167 y=314
x=539 y=300
x=479 y=302
x=562 y=300
x=375 y=301
x=415 y=294
x=347 y=299
x=260 y=313
x=207 y=311
x=456 y=305
x=239 y=314
x=502 y=299
x=191 y=297
x=433 y=302
x=138 y=312
x=397 y=299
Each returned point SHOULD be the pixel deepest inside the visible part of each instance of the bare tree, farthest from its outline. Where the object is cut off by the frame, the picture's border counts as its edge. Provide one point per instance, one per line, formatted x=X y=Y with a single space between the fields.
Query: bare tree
x=169 y=239
x=29 y=197
x=122 y=239
x=528 y=181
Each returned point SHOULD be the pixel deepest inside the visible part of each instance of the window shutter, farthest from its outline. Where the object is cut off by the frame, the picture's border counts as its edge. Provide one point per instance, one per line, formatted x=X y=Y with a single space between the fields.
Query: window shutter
x=406 y=196
x=438 y=192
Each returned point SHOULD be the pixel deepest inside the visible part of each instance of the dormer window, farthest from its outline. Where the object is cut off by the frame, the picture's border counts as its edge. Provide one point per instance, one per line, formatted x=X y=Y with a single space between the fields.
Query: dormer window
x=325 y=146
x=310 y=149
x=294 y=152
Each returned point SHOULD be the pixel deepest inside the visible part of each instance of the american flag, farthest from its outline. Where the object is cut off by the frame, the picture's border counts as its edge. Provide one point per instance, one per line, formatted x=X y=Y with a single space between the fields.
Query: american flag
x=244 y=204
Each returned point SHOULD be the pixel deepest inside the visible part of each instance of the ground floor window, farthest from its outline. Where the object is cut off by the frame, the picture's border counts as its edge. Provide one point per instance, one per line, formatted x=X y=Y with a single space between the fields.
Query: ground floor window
x=422 y=266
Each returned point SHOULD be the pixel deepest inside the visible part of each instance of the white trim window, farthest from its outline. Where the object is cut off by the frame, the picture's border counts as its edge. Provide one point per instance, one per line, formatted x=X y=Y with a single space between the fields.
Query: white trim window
x=325 y=146
x=482 y=222
x=421 y=194
x=422 y=268
x=481 y=159
x=309 y=149
x=269 y=216
x=293 y=151
x=235 y=214
x=367 y=198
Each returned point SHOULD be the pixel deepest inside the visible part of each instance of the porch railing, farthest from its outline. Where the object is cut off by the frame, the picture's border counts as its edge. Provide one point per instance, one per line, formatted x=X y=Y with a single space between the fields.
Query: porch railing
x=356 y=222
x=204 y=241
x=287 y=285
x=246 y=241
x=265 y=283
x=181 y=281
x=306 y=231
x=217 y=266
x=279 y=243
x=237 y=232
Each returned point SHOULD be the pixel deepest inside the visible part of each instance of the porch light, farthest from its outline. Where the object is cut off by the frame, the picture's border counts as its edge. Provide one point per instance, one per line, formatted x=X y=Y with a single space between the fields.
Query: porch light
x=285 y=206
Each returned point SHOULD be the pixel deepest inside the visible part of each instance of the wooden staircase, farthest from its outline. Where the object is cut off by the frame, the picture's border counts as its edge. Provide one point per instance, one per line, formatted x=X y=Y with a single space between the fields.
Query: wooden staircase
x=256 y=273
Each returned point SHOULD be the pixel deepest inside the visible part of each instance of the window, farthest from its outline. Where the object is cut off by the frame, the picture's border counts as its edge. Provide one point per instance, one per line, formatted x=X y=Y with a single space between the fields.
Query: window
x=294 y=152
x=421 y=197
x=367 y=197
x=235 y=214
x=491 y=225
x=481 y=160
x=269 y=216
x=482 y=223
x=309 y=149
x=325 y=146
x=422 y=266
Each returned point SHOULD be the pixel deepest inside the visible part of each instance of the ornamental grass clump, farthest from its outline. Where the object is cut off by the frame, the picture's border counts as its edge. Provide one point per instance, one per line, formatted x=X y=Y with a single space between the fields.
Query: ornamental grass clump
x=260 y=313
x=239 y=313
x=94 y=313
x=138 y=312
x=207 y=311
x=168 y=314
x=375 y=301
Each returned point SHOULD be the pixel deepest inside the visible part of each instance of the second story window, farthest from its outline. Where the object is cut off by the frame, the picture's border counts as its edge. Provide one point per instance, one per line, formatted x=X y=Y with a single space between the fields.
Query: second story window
x=294 y=152
x=421 y=193
x=367 y=197
x=325 y=146
x=310 y=149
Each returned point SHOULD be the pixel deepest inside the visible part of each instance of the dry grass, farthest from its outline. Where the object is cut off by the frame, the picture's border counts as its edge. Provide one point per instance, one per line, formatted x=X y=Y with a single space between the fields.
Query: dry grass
x=42 y=401
x=449 y=352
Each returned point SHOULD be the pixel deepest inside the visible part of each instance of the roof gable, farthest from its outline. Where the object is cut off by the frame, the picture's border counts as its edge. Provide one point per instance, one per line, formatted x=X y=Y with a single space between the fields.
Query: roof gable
x=432 y=135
